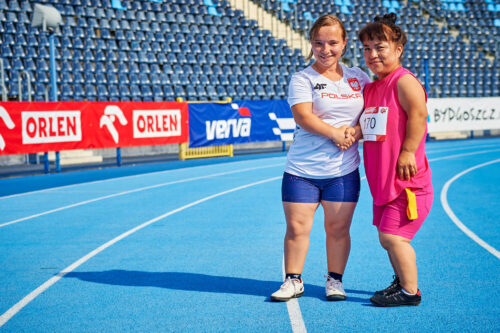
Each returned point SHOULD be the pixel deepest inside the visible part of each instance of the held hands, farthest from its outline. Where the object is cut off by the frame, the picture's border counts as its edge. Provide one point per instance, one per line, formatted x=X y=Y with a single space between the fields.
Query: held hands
x=344 y=137
x=407 y=165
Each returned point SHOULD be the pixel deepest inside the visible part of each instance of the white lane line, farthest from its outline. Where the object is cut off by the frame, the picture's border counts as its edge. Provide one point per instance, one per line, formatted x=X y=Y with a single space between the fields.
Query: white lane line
x=294 y=313
x=135 y=190
x=431 y=151
x=35 y=293
x=133 y=176
x=455 y=156
x=454 y=218
x=31 y=296
x=191 y=168
x=462 y=155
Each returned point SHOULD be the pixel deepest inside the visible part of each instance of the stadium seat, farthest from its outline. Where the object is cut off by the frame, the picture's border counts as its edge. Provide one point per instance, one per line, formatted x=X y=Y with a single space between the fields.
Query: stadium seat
x=168 y=93
x=212 y=10
x=191 y=93
x=239 y=92
x=153 y=37
x=113 y=93
x=66 y=92
x=204 y=80
x=102 y=92
x=124 y=91
x=270 y=92
x=201 y=91
x=250 y=91
x=231 y=91
x=116 y=4
x=7 y=51
x=221 y=92
x=78 y=92
x=280 y=92
x=29 y=64
x=184 y=79
x=194 y=79
x=157 y=94
x=135 y=92
x=65 y=77
x=259 y=90
x=146 y=93
x=345 y=10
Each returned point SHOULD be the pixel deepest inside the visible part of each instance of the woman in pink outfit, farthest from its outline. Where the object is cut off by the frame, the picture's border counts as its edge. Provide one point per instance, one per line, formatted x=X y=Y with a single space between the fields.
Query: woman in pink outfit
x=394 y=128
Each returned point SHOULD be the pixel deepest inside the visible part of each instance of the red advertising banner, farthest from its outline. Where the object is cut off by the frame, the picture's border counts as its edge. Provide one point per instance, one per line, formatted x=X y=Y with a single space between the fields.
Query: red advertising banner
x=54 y=126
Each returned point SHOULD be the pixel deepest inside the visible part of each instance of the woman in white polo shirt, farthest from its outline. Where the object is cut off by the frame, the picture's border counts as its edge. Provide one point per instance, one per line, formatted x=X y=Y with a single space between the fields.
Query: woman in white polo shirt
x=322 y=167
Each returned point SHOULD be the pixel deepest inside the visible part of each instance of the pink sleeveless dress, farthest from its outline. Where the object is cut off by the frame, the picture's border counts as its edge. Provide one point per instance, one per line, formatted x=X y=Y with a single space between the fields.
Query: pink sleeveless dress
x=380 y=157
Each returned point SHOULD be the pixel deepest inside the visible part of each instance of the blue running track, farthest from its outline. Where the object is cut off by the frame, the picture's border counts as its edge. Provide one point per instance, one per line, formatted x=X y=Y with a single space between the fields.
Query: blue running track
x=200 y=248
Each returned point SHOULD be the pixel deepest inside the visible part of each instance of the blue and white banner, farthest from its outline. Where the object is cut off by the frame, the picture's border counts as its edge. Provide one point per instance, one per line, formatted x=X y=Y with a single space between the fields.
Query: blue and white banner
x=239 y=122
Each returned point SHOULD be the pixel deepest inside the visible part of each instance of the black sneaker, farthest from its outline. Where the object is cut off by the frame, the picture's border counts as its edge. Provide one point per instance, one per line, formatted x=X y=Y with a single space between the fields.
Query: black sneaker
x=396 y=298
x=394 y=285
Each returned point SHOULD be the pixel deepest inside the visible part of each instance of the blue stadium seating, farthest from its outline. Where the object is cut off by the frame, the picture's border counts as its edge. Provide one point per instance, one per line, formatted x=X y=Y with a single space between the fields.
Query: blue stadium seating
x=128 y=53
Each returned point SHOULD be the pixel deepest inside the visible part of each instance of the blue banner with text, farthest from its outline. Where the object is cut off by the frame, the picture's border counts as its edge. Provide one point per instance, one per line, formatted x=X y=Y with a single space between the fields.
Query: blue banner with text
x=212 y=124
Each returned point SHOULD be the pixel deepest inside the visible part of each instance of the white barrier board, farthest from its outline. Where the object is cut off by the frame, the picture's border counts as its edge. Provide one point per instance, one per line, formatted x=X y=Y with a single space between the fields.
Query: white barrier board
x=463 y=114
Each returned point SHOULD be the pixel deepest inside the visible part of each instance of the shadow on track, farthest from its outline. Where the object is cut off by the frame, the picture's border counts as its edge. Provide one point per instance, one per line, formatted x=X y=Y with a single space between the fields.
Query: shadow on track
x=200 y=283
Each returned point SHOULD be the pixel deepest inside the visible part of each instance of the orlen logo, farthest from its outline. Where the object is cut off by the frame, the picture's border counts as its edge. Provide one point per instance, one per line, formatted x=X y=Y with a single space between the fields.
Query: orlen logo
x=156 y=123
x=222 y=129
x=10 y=125
x=375 y=109
x=51 y=126
x=111 y=113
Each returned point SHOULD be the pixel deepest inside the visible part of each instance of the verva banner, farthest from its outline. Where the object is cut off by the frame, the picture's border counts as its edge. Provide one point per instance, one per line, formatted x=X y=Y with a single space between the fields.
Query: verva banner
x=239 y=122
x=54 y=126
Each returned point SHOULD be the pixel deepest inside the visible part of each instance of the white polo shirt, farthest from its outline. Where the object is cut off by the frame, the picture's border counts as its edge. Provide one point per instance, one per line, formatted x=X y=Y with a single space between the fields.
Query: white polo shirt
x=337 y=103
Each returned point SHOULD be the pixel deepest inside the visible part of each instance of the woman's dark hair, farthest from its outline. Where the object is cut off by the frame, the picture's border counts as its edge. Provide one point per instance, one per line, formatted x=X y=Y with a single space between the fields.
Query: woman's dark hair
x=384 y=28
x=322 y=21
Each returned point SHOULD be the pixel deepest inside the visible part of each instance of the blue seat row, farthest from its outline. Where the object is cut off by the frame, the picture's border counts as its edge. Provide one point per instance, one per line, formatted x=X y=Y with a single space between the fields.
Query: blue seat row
x=159 y=93
x=178 y=46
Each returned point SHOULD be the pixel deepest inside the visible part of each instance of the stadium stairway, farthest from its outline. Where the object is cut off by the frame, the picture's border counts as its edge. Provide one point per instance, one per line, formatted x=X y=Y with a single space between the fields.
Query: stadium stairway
x=268 y=21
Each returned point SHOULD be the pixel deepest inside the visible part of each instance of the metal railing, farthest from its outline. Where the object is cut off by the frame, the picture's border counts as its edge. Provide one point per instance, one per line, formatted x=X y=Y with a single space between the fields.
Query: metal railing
x=20 y=85
x=2 y=81
x=27 y=75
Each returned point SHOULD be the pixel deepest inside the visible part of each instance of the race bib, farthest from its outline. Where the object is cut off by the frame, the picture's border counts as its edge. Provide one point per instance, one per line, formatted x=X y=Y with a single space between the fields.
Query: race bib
x=373 y=123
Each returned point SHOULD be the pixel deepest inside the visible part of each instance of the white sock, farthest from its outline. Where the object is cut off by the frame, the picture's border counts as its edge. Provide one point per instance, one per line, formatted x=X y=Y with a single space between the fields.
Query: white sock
x=407 y=292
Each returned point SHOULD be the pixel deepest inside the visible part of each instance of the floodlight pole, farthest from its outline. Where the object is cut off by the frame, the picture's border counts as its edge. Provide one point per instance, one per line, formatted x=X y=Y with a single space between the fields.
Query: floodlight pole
x=426 y=85
x=426 y=71
x=53 y=74
x=53 y=84
x=53 y=96
x=49 y=19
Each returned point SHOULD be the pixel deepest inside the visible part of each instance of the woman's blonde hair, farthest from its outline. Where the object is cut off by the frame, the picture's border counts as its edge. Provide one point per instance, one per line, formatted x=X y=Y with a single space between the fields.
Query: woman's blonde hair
x=325 y=21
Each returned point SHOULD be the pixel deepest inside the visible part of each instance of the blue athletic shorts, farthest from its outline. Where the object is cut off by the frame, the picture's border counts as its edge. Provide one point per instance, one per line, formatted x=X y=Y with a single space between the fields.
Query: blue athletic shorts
x=309 y=190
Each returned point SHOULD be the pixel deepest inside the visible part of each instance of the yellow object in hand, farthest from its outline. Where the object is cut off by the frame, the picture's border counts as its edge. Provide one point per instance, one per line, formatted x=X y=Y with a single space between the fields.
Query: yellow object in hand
x=411 y=210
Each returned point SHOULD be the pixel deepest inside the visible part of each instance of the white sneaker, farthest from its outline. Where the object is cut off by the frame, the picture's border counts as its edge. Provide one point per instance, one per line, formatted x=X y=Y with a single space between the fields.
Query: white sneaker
x=334 y=289
x=291 y=288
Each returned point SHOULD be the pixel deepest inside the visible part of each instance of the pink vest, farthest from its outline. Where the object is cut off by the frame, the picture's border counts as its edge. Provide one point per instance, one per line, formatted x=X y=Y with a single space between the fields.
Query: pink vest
x=380 y=158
